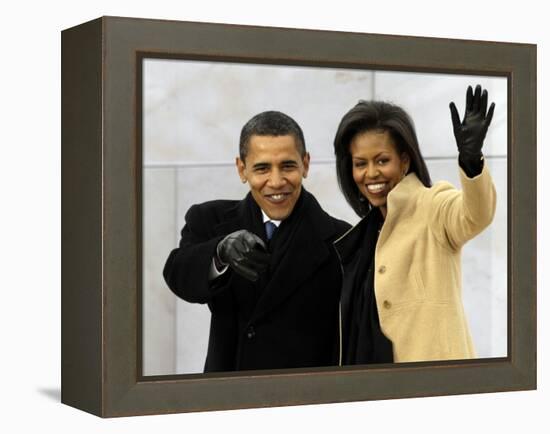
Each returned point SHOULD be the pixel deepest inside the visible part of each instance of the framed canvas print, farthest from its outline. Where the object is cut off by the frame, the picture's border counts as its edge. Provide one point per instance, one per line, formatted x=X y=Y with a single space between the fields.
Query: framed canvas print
x=152 y=116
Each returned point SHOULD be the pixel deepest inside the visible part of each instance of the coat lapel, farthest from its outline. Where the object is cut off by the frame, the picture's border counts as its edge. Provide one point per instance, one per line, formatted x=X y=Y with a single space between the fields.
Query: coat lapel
x=304 y=254
x=355 y=249
x=244 y=215
x=401 y=202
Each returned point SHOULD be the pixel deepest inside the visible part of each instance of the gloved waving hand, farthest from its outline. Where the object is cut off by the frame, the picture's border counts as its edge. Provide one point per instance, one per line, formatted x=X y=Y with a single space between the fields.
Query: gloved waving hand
x=470 y=133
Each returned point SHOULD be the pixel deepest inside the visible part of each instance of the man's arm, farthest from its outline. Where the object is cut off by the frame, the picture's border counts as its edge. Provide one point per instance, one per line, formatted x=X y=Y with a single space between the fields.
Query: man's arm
x=197 y=269
x=187 y=269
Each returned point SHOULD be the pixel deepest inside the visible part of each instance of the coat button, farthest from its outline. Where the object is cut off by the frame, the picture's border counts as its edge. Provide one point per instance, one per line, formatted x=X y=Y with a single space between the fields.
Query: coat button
x=387 y=304
x=250 y=333
x=382 y=269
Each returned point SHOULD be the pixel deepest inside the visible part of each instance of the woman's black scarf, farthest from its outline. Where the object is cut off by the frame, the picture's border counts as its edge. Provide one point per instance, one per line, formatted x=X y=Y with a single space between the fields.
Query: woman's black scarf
x=365 y=341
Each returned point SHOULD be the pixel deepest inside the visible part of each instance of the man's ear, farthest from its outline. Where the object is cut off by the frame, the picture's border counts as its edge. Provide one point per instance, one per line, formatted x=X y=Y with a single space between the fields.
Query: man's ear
x=305 y=162
x=241 y=169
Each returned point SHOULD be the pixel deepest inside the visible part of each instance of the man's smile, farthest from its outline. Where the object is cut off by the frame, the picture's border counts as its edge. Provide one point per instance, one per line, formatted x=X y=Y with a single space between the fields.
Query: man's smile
x=277 y=198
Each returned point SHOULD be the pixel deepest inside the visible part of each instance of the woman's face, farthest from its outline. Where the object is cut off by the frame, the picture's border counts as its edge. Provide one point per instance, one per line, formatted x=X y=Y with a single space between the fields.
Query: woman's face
x=377 y=166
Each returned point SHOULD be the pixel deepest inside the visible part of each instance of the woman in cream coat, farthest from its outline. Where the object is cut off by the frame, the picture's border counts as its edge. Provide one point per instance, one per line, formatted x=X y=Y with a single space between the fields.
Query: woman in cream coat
x=401 y=297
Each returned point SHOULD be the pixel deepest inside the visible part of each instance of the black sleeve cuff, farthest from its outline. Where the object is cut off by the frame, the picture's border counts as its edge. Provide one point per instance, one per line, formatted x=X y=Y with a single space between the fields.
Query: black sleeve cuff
x=472 y=165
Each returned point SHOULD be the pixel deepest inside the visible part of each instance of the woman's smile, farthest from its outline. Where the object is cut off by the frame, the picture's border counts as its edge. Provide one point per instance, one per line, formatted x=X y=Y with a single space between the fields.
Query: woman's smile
x=378 y=188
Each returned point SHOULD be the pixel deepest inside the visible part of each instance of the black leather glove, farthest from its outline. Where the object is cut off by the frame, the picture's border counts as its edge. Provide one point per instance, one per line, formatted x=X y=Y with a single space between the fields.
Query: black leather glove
x=245 y=253
x=470 y=133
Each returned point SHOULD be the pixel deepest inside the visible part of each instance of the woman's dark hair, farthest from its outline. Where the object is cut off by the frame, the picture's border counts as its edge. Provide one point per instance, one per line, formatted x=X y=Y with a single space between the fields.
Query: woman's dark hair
x=375 y=116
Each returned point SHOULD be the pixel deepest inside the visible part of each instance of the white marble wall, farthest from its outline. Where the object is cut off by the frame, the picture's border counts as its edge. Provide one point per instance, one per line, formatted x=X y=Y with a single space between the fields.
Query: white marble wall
x=159 y=307
x=193 y=114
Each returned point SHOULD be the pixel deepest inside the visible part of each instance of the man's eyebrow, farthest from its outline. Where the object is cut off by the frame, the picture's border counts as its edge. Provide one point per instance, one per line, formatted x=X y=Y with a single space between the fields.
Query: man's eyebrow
x=287 y=162
x=260 y=165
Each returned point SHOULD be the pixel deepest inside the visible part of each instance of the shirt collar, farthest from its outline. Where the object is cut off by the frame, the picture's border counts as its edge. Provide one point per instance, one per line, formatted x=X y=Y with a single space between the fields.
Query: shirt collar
x=267 y=219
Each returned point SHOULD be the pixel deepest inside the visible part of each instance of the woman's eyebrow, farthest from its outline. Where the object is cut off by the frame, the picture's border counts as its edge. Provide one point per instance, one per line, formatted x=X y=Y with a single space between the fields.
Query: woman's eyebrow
x=364 y=158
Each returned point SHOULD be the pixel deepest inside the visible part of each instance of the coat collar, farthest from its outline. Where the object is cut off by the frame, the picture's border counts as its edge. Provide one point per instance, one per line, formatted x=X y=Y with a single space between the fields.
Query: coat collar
x=244 y=215
x=240 y=217
x=401 y=201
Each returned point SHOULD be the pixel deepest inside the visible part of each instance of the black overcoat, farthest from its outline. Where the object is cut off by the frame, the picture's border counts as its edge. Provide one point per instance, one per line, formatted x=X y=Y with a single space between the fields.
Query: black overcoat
x=287 y=319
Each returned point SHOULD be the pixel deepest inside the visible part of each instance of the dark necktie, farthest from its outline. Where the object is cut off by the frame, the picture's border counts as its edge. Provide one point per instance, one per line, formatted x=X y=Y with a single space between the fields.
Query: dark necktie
x=269 y=229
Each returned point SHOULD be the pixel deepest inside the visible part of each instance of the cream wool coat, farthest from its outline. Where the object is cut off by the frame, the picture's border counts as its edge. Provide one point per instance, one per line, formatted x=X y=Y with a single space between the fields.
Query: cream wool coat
x=418 y=265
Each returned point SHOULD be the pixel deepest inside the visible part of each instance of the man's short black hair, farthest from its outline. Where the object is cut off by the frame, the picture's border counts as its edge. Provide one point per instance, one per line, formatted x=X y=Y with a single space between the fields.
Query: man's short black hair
x=271 y=123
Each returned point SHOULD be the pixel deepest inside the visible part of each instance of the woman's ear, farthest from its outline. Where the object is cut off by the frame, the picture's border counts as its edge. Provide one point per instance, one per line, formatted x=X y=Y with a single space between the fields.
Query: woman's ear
x=405 y=163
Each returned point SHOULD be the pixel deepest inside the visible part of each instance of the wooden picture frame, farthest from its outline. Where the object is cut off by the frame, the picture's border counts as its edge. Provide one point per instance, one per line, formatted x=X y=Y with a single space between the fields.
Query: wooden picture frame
x=101 y=216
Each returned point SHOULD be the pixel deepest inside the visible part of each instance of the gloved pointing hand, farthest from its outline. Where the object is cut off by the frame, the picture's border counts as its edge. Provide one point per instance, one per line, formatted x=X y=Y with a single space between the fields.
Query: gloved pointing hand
x=470 y=133
x=245 y=253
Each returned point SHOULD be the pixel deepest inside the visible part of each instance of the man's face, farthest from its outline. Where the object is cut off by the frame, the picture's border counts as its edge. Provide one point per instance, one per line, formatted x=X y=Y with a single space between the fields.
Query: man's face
x=274 y=170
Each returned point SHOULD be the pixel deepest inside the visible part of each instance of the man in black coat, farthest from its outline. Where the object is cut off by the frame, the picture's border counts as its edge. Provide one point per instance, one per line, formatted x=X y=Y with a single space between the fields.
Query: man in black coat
x=265 y=265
